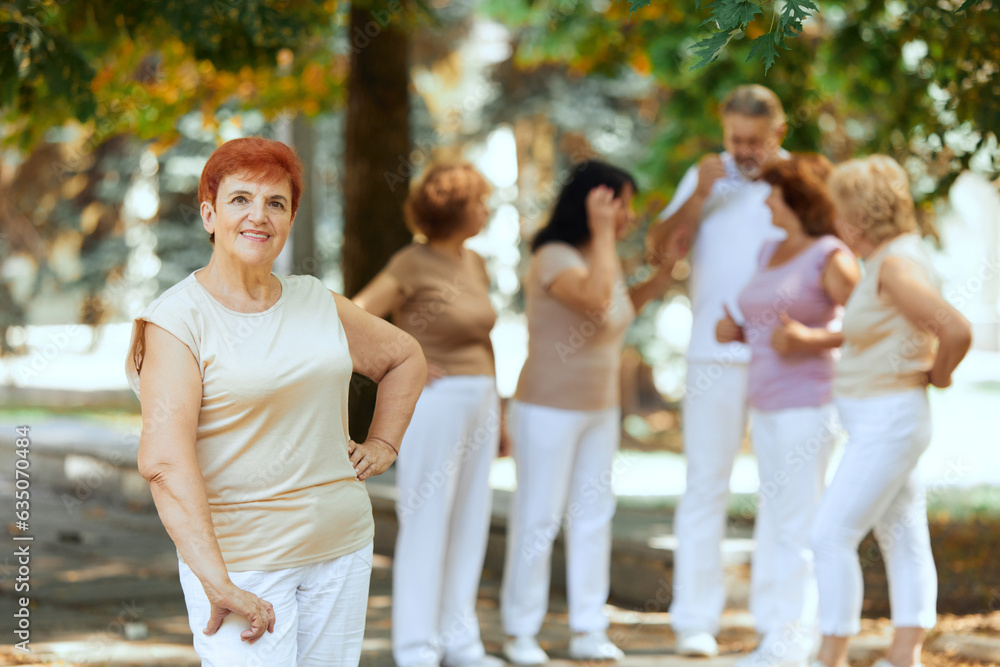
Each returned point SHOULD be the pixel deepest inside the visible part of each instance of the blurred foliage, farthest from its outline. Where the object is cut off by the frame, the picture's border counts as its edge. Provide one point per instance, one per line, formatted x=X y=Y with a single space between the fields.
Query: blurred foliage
x=915 y=80
x=126 y=67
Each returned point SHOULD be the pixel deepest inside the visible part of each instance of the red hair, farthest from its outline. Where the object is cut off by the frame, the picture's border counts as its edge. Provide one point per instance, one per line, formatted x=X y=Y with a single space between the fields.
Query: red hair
x=255 y=157
x=439 y=203
x=802 y=180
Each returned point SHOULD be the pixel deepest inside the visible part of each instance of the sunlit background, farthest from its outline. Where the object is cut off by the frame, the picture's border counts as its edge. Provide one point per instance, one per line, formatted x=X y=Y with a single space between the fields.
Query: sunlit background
x=470 y=102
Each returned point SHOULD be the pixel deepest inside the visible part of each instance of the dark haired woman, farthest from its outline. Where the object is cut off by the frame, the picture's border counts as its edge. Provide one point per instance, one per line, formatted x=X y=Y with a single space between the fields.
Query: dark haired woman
x=790 y=304
x=565 y=416
x=438 y=291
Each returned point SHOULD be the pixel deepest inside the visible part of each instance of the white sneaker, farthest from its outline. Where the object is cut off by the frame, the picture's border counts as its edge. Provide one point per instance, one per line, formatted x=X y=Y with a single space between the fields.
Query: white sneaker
x=524 y=651
x=696 y=644
x=594 y=646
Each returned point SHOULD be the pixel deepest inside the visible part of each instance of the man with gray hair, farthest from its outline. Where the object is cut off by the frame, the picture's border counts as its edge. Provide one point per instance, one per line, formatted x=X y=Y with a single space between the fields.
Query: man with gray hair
x=718 y=211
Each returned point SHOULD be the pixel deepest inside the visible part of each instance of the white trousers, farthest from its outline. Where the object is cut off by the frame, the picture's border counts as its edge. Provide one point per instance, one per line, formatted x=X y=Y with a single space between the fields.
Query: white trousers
x=793 y=449
x=319 y=613
x=714 y=423
x=876 y=487
x=443 y=511
x=564 y=467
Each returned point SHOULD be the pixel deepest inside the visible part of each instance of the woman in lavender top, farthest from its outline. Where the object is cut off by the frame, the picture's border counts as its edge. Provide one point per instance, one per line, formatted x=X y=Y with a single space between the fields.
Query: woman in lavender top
x=790 y=306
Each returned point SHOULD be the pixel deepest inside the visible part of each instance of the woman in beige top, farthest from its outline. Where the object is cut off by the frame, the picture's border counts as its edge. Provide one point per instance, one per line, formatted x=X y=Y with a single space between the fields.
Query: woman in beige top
x=899 y=336
x=566 y=417
x=438 y=291
x=243 y=379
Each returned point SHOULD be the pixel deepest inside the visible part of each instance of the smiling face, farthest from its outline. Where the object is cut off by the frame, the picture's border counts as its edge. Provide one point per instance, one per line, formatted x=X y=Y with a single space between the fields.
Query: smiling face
x=251 y=220
x=751 y=140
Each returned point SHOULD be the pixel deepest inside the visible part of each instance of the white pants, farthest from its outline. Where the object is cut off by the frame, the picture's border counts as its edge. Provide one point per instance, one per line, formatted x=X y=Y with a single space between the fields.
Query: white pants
x=876 y=487
x=793 y=449
x=714 y=423
x=319 y=615
x=564 y=466
x=443 y=509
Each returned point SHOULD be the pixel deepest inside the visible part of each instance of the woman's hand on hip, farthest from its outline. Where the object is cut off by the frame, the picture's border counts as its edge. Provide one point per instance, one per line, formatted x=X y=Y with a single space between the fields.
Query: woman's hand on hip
x=371 y=457
x=259 y=612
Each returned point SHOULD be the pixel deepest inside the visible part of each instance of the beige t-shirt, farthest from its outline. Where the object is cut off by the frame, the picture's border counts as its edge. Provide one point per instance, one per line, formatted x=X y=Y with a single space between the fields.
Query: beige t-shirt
x=573 y=358
x=272 y=431
x=446 y=308
x=883 y=352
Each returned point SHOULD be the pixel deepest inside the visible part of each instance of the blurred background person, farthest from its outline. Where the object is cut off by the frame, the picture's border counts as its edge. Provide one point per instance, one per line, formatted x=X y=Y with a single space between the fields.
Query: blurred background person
x=718 y=210
x=243 y=379
x=566 y=415
x=791 y=305
x=899 y=336
x=438 y=291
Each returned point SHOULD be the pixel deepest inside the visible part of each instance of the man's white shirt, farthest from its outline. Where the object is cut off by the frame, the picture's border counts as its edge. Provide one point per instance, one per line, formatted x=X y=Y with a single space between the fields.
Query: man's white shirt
x=735 y=224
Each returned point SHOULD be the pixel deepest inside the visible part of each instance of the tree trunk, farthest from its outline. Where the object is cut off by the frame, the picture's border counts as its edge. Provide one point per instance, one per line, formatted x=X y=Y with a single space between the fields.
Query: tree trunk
x=377 y=147
x=304 y=257
x=376 y=175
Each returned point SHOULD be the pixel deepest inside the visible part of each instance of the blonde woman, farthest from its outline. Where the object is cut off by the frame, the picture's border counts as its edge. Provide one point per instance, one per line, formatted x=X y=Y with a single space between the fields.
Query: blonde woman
x=438 y=291
x=899 y=336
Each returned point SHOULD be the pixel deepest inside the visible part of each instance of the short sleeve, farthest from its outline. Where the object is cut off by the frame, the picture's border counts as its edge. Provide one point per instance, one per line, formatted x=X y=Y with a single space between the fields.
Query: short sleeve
x=828 y=245
x=167 y=316
x=403 y=267
x=554 y=258
x=685 y=189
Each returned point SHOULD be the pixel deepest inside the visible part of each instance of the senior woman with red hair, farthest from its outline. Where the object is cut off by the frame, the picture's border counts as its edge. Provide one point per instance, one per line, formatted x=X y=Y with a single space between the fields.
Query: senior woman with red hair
x=438 y=291
x=791 y=305
x=243 y=380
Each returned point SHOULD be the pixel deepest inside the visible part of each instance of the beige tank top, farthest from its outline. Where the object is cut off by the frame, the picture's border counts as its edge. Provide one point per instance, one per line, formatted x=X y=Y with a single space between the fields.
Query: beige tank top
x=272 y=432
x=883 y=352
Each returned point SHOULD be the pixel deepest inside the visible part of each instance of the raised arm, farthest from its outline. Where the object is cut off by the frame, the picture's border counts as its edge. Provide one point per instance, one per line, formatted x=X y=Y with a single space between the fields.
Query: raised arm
x=664 y=239
x=905 y=284
x=170 y=391
x=393 y=359
x=592 y=288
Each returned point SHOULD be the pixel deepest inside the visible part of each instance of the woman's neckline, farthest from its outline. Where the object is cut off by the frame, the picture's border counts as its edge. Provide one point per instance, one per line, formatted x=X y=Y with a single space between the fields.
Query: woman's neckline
x=805 y=249
x=222 y=306
x=443 y=254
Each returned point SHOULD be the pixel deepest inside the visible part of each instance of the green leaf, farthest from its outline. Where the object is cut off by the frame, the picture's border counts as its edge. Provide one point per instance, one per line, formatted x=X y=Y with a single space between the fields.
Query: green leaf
x=708 y=49
x=636 y=5
x=765 y=48
x=793 y=14
x=733 y=14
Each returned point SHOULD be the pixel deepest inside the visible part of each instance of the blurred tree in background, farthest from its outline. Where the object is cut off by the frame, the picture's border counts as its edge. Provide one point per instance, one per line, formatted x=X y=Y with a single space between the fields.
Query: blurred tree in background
x=112 y=101
x=912 y=79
